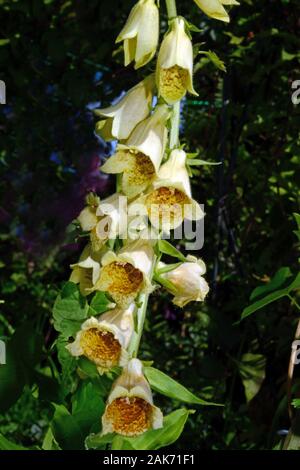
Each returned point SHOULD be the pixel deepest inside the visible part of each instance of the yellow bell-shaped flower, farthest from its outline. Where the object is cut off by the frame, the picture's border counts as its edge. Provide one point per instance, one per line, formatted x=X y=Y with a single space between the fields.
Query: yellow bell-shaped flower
x=169 y=200
x=127 y=274
x=174 y=69
x=140 y=33
x=188 y=281
x=215 y=9
x=129 y=409
x=123 y=117
x=104 y=340
x=140 y=158
x=86 y=272
x=104 y=221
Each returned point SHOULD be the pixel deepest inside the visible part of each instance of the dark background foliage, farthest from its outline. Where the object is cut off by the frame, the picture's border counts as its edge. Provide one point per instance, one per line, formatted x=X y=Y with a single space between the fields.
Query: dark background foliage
x=58 y=60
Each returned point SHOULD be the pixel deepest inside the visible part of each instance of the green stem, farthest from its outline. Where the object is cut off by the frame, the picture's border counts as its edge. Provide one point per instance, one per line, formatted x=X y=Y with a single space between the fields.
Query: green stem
x=141 y=316
x=174 y=141
x=294 y=301
x=171 y=9
x=175 y=121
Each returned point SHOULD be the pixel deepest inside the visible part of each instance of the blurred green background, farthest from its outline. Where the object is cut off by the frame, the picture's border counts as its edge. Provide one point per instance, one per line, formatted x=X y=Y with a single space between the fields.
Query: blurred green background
x=59 y=61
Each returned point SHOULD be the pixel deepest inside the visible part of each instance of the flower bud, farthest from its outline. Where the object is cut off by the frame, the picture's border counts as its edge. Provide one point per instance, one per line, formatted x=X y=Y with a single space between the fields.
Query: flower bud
x=140 y=33
x=130 y=410
x=174 y=70
x=189 y=285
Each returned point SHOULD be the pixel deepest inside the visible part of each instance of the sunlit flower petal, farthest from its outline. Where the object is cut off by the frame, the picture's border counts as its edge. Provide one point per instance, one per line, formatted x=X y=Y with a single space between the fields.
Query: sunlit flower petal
x=189 y=285
x=169 y=200
x=130 y=410
x=86 y=272
x=174 y=70
x=140 y=33
x=139 y=160
x=105 y=221
x=215 y=9
x=104 y=340
x=126 y=274
x=123 y=117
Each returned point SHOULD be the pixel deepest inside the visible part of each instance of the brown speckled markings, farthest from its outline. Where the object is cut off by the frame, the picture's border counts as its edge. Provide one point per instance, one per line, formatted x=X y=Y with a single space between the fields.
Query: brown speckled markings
x=122 y=281
x=173 y=82
x=140 y=170
x=169 y=201
x=100 y=347
x=129 y=416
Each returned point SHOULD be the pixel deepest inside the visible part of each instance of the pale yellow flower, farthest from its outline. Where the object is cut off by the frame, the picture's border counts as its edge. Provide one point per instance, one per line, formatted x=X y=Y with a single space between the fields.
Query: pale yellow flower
x=87 y=271
x=123 y=117
x=215 y=9
x=189 y=285
x=129 y=409
x=169 y=201
x=104 y=221
x=140 y=159
x=126 y=274
x=174 y=70
x=140 y=33
x=104 y=340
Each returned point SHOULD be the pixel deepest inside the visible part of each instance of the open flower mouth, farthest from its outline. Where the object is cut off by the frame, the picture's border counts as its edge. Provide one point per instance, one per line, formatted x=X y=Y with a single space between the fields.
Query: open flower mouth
x=173 y=83
x=122 y=280
x=138 y=174
x=100 y=347
x=129 y=416
x=166 y=205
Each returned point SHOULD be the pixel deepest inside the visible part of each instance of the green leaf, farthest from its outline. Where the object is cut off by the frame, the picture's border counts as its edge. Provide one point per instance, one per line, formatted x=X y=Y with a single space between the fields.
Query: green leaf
x=277 y=281
x=165 y=385
x=68 y=364
x=66 y=430
x=155 y=439
x=99 y=304
x=278 y=294
x=4 y=42
x=213 y=57
x=88 y=407
x=252 y=368
x=23 y=352
x=70 y=310
x=5 y=444
x=296 y=402
x=49 y=388
x=198 y=162
x=297 y=232
x=168 y=249
x=191 y=27
x=292 y=440
x=49 y=442
x=97 y=441
x=87 y=368
x=168 y=268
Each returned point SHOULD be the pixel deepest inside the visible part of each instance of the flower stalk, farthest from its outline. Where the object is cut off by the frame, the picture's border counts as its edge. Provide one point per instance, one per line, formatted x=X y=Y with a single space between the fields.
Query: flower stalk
x=171 y=9
x=173 y=143
x=151 y=174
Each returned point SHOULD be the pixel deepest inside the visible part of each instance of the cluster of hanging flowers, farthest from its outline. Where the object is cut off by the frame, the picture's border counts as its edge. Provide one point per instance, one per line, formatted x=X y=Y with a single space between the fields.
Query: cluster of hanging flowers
x=151 y=175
